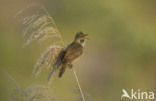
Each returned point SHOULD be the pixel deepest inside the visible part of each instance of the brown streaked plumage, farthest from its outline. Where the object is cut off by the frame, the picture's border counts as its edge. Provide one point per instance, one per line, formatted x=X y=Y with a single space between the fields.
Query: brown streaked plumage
x=73 y=51
x=70 y=54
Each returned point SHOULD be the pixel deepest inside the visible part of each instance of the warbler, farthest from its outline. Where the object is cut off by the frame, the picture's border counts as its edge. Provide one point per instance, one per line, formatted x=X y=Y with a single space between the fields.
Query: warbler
x=71 y=53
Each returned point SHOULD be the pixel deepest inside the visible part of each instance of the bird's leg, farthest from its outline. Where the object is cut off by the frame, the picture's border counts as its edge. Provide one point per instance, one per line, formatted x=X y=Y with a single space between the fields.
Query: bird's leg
x=70 y=66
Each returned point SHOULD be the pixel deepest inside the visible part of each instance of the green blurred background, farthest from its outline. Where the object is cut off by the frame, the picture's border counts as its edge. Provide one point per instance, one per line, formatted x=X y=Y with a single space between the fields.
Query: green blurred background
x=121 y=52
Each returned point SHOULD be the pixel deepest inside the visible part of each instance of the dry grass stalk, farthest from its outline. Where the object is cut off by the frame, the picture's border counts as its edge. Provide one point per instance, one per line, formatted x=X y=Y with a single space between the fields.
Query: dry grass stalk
x=47 y=58
x=40 y=26
x=31 y=93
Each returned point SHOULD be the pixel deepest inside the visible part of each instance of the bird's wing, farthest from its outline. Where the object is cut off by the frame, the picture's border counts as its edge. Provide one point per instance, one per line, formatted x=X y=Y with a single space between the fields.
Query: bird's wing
x=73 y=51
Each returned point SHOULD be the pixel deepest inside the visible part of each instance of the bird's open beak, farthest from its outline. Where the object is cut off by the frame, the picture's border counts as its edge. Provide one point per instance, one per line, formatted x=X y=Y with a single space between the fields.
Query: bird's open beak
x=85 y=36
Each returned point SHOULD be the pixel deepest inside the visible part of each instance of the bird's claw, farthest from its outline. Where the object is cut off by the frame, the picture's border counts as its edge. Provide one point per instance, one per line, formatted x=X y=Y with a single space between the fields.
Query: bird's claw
x=70 y=66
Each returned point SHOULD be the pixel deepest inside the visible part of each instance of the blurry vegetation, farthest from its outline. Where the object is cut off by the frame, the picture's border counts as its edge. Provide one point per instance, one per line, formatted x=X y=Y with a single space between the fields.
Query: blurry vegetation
x=121 y=52
x=31 y=93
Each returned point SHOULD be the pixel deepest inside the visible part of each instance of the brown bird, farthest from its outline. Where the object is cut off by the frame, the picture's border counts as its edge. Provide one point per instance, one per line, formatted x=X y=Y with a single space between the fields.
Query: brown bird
x=70 y=54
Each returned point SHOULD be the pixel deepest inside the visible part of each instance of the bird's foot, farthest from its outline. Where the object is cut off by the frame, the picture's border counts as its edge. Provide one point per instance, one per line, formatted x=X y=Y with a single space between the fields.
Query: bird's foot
x=70 y=66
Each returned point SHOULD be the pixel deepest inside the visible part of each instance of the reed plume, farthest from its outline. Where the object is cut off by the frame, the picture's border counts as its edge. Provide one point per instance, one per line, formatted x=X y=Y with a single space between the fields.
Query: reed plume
x=33 y=92
x=39 y=26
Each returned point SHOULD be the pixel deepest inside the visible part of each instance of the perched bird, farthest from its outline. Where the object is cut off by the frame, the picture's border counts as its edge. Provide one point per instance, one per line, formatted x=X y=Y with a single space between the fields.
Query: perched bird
x=67 y=56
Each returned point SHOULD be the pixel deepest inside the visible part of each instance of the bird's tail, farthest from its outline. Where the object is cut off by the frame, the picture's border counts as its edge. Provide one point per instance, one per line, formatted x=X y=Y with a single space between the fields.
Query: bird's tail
x=62 y=69
x=56 y=66
x=52 y=71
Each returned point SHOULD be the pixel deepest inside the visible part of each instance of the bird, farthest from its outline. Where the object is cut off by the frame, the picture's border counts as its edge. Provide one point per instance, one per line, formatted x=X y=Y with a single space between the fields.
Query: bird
x=70 y=54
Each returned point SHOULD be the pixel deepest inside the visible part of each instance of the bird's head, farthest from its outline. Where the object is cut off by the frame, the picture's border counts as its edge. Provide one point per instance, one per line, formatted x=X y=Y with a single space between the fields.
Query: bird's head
x=80 y=37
